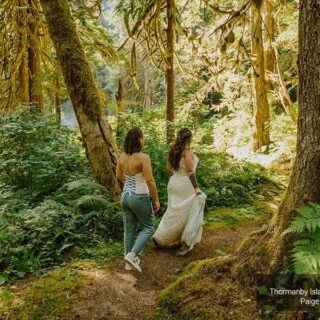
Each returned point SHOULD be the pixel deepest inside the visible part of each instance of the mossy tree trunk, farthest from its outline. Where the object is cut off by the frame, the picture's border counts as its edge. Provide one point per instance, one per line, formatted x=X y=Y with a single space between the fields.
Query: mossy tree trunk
x=35 y=81
x=261 y=105
x=84 y=94
x=272 y=250
x=57 y=100
x=120 y=105
x=268 y=39
x=170 y=69
x=23 y=68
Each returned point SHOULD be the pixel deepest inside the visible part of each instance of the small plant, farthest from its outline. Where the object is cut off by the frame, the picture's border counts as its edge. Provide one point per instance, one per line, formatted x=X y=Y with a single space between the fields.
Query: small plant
x=306 y=251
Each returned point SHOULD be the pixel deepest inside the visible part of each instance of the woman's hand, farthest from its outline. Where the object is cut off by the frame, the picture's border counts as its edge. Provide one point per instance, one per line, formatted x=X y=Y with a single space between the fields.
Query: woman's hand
x=156 y=206
x=198 y=191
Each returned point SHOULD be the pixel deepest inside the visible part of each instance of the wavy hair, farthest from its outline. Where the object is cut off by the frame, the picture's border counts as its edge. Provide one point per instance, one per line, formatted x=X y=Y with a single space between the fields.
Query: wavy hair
x=132 y=141
x=183 y=138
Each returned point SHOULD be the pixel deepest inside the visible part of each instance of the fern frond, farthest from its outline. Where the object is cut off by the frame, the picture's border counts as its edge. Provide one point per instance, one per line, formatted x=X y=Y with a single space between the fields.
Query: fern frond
x=89 y=203
x=309 y=219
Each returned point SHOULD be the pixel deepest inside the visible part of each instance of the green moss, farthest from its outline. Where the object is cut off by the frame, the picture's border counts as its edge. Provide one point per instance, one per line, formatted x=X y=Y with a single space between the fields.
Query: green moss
x=172 y=294
x=47 y=297
x=235 y=217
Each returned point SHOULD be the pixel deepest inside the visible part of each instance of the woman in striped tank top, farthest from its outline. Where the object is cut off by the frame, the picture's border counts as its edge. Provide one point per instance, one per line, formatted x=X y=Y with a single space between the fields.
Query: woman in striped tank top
x=135 y=171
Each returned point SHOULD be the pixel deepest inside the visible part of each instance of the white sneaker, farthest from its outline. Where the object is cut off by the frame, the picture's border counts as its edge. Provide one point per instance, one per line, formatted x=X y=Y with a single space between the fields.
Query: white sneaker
x=133 y=261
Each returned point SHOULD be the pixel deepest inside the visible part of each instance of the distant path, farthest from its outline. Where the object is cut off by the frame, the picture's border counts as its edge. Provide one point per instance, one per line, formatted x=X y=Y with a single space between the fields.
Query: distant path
x=116 y=294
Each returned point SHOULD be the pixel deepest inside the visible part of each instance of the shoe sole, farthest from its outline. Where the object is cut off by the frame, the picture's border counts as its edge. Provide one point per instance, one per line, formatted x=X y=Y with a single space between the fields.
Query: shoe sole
x=132 y=265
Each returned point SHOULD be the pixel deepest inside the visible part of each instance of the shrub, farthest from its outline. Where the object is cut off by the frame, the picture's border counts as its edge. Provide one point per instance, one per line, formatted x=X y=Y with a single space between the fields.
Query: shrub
x=36 y=154
x=79 y=214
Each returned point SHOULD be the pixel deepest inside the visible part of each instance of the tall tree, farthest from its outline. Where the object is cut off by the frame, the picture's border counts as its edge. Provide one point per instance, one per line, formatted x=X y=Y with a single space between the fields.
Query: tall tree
x=120 y=105
x=262 y=111
x=170 y=69
x=271 y=251
x=84 y=94
x=35 y=81
x=268 y=39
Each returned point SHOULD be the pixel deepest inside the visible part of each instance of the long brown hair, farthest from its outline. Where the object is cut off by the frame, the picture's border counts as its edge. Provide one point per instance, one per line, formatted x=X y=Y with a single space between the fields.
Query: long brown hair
x=132 y=141
x=183 y=138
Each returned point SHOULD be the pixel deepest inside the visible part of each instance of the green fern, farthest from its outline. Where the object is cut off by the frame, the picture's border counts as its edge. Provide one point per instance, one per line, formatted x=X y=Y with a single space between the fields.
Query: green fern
x=306 y=254
x=308 y=219
x=306 y=251
x=91 y=203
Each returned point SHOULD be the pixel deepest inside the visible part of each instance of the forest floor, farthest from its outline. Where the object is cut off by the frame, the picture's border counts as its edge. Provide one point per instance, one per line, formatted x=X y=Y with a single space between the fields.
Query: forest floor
x=118 y=294
x=87 y=290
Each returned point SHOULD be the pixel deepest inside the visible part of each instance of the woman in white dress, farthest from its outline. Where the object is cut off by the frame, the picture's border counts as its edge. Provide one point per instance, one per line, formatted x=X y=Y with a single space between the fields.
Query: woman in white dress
x=182 y=222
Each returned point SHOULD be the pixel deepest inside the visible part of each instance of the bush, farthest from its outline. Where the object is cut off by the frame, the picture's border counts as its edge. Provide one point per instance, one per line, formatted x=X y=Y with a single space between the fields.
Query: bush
x=36 y=154
x=49 y=204
x=79 y=214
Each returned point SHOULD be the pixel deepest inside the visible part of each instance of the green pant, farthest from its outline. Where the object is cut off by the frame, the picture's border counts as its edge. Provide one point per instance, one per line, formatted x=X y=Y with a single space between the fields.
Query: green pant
x=137 y=210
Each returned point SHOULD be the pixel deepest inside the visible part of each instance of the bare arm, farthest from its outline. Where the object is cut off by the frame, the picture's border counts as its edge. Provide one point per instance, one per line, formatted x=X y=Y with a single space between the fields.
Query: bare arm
x=147 y=173
x=119 y=172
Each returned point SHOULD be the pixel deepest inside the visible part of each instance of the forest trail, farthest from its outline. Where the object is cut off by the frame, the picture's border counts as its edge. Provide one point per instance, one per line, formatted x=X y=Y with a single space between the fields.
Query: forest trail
x=114 y=293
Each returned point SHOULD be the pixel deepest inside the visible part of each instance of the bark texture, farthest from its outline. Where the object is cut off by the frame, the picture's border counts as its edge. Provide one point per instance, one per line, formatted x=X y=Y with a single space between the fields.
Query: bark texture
x=262 y=111
x=170 y=69
x=84 y=94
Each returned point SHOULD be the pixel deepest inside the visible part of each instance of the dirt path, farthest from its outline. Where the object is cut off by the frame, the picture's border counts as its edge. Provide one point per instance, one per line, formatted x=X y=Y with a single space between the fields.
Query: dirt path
x=116 y=294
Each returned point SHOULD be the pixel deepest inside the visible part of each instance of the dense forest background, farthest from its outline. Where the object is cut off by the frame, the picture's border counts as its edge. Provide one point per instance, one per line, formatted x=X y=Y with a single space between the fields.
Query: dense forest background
x=76 y=75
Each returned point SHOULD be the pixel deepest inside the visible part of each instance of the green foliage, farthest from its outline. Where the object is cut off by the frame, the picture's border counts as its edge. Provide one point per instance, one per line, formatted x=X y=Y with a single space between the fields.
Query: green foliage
x=226 y=181
x=31 y=239
x=36 y=154
x=306 y=251
x=50 y=207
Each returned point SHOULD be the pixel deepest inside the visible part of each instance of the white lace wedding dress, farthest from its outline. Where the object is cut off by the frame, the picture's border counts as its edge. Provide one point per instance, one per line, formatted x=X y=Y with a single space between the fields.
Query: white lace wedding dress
x=182 y=222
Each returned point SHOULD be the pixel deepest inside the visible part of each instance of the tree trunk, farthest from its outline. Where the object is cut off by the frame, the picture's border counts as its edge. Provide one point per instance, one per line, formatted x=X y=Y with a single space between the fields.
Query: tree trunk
x=24 y=72
x=262 y=112
x=121 y=106
x=305 y=180
x=170 y=69
x=84 y=94
x=121 y=96
x=35 y=81
x=271 y=252
x=57 y=100
x=268 y=39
